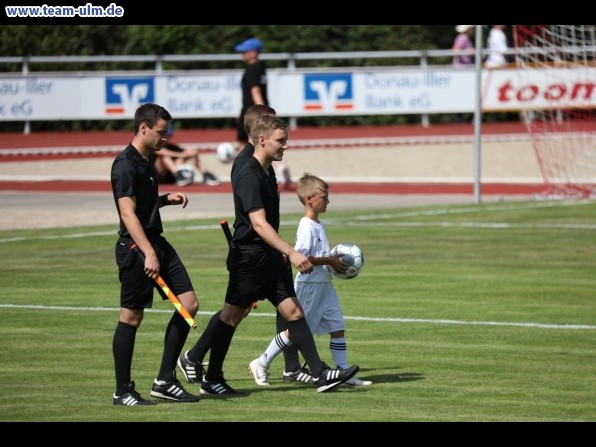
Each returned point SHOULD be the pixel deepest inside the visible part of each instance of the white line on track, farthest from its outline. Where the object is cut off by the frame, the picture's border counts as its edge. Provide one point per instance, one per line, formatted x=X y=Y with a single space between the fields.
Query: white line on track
x=303 y=144
x=382 y=320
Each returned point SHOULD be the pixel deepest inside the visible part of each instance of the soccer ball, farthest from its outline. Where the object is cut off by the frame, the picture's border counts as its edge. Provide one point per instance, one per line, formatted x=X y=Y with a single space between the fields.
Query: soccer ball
x=225 y=152
x=353 y=256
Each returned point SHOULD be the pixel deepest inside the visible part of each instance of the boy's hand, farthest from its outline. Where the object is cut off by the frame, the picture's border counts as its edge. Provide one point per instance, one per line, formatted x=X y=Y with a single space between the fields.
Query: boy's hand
x=336 y=263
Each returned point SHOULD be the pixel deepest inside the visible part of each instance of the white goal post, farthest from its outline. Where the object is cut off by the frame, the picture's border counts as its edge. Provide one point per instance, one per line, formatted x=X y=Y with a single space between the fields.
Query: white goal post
x=563 y=129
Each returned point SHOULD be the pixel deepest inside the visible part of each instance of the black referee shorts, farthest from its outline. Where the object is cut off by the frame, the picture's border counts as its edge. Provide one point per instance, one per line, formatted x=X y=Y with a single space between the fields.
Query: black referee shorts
x=257 y=272
x=136 y=288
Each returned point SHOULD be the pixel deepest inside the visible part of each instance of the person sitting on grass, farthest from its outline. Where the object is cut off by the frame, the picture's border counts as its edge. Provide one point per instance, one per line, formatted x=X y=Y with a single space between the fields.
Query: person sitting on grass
x=174 y=164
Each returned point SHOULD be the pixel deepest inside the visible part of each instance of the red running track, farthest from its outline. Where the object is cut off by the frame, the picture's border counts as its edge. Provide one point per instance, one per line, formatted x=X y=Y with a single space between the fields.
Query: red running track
x=121 y=138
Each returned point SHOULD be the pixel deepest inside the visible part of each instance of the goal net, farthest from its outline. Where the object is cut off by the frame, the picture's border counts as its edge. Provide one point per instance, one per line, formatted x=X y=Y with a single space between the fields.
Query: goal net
x=556 y=65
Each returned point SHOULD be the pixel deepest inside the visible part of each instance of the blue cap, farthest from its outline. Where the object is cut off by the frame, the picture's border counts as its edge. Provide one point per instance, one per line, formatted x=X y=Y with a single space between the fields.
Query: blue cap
x=252 y=44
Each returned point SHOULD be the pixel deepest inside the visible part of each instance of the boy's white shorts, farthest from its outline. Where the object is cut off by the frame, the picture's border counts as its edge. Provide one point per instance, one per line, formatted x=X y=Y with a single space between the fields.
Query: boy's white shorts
x=321 y=306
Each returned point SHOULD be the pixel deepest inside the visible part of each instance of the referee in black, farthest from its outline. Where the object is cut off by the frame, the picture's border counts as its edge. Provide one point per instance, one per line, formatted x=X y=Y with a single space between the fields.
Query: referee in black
x=135 y=189
x=257 y=263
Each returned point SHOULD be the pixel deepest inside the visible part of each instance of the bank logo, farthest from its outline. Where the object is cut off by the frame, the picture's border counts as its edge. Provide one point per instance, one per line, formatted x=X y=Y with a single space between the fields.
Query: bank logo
x=328 y=92
x=125 y=95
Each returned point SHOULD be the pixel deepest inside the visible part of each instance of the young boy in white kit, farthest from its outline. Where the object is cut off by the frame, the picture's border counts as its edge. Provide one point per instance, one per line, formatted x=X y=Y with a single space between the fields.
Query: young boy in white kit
x=315 y=290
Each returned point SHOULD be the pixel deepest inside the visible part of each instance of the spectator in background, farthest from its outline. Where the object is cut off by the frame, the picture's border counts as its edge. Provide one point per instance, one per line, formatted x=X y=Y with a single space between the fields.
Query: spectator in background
x=498 y=47
x=175 y=164
x=463 y=42
x=254 y=91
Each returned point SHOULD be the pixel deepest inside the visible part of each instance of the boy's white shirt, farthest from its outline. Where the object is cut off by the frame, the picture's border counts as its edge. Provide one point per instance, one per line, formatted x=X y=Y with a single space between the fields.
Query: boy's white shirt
x=311 y=240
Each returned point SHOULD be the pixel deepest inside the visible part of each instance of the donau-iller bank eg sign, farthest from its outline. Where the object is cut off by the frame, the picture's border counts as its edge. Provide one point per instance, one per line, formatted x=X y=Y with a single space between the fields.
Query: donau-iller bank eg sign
x=298 y=93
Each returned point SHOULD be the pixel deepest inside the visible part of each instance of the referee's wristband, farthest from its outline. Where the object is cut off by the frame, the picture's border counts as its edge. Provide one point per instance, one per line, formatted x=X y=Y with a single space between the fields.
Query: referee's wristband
x=164 y=199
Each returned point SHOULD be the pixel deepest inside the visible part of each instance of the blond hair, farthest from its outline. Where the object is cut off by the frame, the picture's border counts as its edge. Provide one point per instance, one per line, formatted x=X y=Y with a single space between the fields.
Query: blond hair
x=253 y=113
x=309 y=185
x=266 y=125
